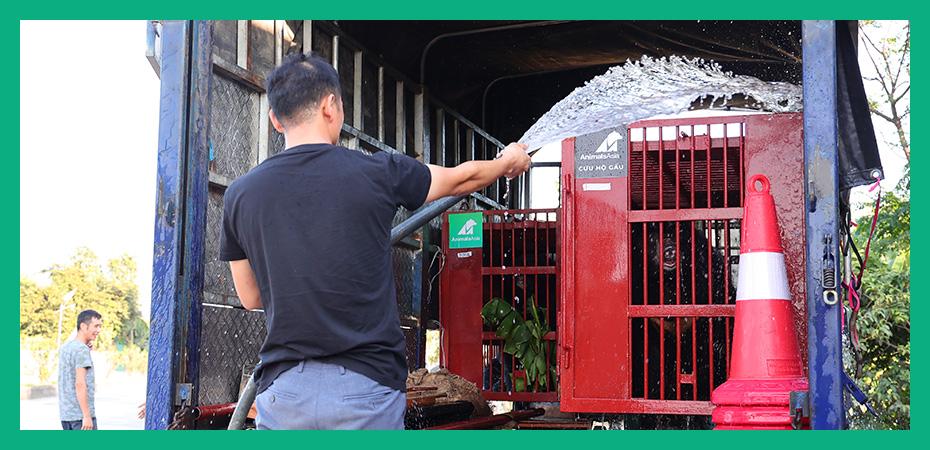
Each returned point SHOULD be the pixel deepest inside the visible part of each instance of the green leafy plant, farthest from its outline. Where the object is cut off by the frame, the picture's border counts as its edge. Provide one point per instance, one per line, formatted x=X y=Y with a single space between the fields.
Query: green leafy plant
x=524 y=339
x=884 y=321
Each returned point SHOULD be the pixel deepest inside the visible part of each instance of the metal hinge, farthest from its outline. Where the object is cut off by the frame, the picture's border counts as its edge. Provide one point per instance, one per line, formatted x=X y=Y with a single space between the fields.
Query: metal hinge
x=828 y=275
x=799 y=405
x=183 y=393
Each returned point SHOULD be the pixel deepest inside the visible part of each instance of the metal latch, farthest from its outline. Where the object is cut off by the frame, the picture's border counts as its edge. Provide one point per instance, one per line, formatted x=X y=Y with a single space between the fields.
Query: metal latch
x=183 y=393
x=857 y=394
x=828 y=280
x=799 y=405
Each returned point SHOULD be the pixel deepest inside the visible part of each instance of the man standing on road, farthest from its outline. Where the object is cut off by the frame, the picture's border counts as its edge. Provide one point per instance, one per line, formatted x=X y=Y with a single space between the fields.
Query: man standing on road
x=307 y=235
x=76 y=375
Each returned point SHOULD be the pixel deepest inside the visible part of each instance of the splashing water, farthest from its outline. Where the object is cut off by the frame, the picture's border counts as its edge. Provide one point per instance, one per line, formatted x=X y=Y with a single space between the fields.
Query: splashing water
x=649 y=87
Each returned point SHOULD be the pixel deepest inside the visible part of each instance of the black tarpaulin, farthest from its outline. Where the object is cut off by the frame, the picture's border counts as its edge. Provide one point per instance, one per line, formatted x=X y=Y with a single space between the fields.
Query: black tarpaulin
x=858 y=149
x=504 y=75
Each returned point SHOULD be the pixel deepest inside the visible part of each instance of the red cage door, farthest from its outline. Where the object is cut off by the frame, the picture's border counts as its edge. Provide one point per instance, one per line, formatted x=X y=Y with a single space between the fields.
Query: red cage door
x=594 y=360
x=650 y=256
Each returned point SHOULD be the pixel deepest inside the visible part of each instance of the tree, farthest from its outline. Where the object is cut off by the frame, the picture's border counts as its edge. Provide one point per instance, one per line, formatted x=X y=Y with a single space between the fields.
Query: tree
x=111 y=291
x=884 y=319
x=134 y=330
x=33 y=305
x=891 y=58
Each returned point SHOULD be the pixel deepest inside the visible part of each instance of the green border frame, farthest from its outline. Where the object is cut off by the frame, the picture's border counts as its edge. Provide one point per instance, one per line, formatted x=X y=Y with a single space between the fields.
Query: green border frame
x=425 y=9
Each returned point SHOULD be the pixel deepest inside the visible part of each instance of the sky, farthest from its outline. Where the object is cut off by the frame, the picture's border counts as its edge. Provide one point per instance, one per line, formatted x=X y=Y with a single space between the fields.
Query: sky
x=893 y=160
x=88 y=127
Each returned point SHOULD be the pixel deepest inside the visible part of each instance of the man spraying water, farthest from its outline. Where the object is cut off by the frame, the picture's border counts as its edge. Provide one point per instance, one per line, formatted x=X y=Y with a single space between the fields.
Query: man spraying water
x=307 y=234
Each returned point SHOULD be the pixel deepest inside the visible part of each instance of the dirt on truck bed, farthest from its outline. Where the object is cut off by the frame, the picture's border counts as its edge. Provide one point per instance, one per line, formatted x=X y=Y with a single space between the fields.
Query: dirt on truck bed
x=455 y=387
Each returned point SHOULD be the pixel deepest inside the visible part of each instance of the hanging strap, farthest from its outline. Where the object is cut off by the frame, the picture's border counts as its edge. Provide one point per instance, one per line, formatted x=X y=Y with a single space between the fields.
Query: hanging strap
x=853 y=284
x=865 y=258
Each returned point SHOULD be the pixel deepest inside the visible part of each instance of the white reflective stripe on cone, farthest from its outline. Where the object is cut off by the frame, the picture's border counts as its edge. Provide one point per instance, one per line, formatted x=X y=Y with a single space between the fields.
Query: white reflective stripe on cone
x=762 y=276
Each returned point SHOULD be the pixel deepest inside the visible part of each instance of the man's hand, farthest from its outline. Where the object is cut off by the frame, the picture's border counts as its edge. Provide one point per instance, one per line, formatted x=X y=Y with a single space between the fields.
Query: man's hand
x=518 y=160
x=87 y=423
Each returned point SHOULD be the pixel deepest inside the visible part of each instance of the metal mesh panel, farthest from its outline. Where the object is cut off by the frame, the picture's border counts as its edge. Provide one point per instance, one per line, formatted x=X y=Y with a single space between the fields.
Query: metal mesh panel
x=234 y=119
x=230 y=338
x=401 y=215
x=410 y=339
x=345 y=140
x=217 y=284
x=402 y=262
x=367 y=148
x=224 y=40
x=276 y=142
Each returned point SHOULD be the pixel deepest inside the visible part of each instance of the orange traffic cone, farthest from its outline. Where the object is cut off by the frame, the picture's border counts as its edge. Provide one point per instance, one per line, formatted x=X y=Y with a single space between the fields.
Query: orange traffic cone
x=765 y=365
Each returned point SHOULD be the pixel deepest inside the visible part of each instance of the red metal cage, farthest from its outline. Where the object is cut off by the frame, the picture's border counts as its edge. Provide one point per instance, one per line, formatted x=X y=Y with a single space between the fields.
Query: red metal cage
x=637 y=270
x=519 y=263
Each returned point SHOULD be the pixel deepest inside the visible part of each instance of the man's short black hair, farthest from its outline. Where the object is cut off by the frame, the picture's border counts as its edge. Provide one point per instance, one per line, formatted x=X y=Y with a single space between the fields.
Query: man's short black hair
x=298 y=84
x=86 y=316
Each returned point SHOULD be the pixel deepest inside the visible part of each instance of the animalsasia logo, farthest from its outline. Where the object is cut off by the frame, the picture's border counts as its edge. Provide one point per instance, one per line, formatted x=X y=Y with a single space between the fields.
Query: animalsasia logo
x=610 y=144
x=468 y=229
x=465 y=230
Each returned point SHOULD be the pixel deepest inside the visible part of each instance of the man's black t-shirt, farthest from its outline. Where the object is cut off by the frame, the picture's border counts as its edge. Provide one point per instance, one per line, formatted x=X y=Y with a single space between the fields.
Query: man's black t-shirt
x=315 y=224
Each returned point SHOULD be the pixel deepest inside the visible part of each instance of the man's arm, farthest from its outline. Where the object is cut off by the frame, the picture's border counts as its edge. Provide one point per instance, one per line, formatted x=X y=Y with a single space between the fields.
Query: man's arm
x=246 y=286
x=80 y=387
x=471 y=176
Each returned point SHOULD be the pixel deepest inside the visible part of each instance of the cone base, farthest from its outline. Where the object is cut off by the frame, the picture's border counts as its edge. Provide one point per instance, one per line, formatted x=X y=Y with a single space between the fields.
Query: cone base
x=753 y=404
x=760 y=418
x=743 y=392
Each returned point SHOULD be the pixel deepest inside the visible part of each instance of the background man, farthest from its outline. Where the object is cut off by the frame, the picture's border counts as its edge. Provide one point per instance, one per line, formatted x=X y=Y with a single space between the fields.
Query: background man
x=307 y=234
x=76 y=375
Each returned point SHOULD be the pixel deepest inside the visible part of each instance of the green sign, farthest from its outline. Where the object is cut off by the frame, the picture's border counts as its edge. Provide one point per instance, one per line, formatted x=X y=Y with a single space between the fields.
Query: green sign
x=465 y=230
